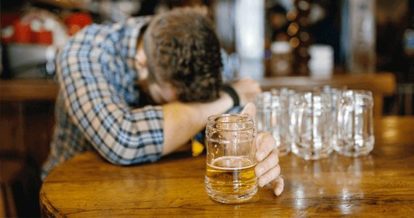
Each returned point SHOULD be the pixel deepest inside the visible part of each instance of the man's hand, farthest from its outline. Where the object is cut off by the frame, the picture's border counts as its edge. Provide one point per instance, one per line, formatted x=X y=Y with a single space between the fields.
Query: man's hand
x=247 y=89
x=267 y=169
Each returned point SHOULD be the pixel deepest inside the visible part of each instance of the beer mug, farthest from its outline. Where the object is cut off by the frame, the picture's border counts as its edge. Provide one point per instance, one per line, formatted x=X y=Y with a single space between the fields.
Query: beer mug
x=335 y=95
x=355 y=128
x=230 y=176
x=312 y=124
x=273 y=116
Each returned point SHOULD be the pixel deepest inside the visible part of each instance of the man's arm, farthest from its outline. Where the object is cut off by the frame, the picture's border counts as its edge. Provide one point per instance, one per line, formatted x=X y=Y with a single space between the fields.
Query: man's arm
x=183 y=121
x=119 y=133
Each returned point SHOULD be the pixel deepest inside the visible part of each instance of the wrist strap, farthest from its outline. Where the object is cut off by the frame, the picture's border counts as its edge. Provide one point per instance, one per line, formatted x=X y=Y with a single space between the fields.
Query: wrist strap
x=232 y=93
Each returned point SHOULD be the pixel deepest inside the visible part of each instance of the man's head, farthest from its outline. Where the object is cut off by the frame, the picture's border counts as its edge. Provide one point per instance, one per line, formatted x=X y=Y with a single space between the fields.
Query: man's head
x=183 y=52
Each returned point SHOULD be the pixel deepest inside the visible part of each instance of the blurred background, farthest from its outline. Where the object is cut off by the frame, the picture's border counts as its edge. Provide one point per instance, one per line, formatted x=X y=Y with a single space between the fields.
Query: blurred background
x=262 y=39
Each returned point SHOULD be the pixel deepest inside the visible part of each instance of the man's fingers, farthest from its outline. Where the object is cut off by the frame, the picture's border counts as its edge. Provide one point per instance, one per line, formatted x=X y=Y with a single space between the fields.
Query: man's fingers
x=270 y=175
x=278 y=185
x=265 y=144
x=270 y=162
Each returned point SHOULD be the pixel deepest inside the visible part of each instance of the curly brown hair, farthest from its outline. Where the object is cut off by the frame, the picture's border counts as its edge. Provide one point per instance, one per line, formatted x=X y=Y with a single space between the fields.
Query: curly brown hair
x=183 y=49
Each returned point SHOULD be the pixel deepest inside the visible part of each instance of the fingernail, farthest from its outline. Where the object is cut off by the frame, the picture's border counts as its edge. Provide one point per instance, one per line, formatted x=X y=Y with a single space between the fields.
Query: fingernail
x=278 y=191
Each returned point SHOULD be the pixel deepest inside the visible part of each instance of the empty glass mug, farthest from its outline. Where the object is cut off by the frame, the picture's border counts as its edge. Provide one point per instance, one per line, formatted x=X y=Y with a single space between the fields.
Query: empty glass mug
x=230 y=176
x=335 y=95
x=355 y=126
x=311 y=121
x=272 y=115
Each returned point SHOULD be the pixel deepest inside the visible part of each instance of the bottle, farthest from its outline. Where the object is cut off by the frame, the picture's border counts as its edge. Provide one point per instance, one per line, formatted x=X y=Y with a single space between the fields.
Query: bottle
x=249 y=37
x=358 y=36
x=281 y=59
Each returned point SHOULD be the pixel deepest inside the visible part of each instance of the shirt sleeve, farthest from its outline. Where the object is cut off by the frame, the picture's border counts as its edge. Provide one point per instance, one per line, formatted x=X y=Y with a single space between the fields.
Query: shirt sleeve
x=122 y=135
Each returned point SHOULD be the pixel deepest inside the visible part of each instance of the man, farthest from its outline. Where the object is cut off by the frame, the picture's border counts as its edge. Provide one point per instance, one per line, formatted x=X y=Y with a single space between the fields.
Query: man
x=139 y=90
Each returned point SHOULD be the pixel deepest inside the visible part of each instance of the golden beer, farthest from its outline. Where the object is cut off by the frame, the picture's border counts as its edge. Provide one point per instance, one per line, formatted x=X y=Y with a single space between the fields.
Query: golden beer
x=231 y=179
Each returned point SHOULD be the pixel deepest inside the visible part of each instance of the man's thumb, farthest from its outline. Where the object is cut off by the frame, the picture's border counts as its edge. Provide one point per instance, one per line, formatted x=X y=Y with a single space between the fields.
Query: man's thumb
x=249 y=109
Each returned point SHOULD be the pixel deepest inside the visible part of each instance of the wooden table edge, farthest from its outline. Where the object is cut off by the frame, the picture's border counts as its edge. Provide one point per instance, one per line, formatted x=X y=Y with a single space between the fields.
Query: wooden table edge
x=46 y=208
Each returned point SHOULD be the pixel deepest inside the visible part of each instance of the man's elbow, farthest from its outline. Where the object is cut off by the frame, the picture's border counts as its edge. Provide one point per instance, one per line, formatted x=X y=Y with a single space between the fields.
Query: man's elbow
x=122 y=158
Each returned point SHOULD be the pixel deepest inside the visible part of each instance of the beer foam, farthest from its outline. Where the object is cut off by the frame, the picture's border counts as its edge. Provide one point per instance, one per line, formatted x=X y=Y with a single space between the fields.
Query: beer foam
x=231 y=163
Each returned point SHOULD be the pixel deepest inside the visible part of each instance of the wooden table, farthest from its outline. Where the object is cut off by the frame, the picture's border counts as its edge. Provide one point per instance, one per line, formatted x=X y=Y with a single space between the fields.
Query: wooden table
x=381 y=184
x=28 y=90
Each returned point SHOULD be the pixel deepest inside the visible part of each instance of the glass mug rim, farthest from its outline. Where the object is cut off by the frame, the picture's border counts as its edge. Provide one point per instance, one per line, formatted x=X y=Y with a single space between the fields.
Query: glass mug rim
x=365 y=97
x=243 y=118
x=272 y=99
x=358 y=92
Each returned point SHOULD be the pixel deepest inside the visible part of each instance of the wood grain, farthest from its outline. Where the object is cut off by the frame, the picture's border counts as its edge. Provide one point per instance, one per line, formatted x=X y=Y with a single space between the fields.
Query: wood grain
x=28 y=90
x=380 y=184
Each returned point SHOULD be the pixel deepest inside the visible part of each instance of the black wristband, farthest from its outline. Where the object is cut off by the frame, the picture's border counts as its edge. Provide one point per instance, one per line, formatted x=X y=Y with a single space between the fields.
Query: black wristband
x=232 y=93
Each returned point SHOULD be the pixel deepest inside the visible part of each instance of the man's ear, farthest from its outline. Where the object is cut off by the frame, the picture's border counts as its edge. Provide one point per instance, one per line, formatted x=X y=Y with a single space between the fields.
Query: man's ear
x=141 y=58
x=141 y=64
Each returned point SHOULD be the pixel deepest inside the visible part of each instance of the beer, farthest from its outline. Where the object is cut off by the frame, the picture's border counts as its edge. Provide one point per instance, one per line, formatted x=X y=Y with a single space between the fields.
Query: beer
x=231 y=179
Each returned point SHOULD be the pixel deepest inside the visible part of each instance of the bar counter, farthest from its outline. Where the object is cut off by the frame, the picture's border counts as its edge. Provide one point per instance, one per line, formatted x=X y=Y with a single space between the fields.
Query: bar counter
x=380 y=184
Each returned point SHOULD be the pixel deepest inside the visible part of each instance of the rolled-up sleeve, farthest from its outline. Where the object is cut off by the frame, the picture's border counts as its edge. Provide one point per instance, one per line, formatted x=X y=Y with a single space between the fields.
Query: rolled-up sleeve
x=121 y=134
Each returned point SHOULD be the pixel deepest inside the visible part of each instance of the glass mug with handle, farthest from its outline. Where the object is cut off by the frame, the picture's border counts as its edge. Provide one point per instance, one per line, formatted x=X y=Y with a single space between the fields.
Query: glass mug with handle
x=230 y=176
x=273 y=116
x=355 y=124
x=312 y=124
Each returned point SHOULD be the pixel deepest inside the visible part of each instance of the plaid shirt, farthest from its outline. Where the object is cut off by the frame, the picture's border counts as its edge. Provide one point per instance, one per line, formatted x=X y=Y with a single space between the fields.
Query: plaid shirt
x=99 y=105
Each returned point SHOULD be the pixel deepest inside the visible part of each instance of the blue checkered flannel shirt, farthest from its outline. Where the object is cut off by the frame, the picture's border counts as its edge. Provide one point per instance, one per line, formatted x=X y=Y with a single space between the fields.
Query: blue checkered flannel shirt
x=98 y=103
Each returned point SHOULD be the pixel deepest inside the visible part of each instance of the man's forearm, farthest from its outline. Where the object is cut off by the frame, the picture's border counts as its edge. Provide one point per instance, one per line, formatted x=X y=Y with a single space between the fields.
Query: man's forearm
x=182 y=121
